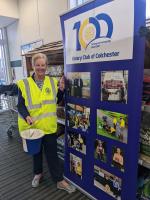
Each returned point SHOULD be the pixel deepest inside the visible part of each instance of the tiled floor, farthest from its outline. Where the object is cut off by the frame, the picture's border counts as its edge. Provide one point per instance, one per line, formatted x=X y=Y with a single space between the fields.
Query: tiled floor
x=16 y=172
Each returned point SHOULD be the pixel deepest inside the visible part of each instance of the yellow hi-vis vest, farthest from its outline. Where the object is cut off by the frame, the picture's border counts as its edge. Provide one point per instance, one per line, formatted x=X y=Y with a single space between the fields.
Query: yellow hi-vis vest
x=41 y=104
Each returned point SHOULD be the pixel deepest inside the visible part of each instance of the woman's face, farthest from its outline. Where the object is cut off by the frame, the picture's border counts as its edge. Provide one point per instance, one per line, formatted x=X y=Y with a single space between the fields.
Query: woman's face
x=40 y=67
x=118 y=151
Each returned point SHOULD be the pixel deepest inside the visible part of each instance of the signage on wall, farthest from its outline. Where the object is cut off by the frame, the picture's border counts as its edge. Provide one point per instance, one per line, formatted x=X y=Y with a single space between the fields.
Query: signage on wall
x=30 y=46
x=103 y=99
x=93 y=36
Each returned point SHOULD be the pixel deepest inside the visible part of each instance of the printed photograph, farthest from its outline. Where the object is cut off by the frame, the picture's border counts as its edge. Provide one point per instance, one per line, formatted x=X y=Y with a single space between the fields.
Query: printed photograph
x=77 y=142
x=78 y=117
x=100 y=152
x=112 y=125
x=107 y=182
x=55 y=71
x=76 y=165
x=114 y=86
x=78 y=84
x=118 y=158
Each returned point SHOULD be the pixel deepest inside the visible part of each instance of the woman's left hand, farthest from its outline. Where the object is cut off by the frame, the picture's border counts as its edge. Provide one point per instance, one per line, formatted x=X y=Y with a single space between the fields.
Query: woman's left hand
x=62 y=83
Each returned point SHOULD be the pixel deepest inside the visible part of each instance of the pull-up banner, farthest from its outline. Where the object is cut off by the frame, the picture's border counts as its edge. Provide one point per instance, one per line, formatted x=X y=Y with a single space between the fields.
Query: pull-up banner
x=104 y=58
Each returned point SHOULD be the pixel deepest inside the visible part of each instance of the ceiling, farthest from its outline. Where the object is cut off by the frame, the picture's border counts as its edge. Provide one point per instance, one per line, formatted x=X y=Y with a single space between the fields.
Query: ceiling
x=5 y=21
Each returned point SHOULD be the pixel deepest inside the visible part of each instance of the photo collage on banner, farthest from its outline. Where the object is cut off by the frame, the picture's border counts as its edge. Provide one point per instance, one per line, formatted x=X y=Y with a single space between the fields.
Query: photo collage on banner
x=102 y=101
x=113 y=126
x=78 y=120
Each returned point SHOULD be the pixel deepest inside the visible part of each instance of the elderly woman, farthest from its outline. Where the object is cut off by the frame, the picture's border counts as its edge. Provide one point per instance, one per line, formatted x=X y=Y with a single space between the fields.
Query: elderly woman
x=37 y=99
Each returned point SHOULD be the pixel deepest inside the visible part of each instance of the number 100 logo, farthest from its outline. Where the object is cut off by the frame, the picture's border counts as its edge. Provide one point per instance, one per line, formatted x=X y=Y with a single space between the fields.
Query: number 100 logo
x=90 y=30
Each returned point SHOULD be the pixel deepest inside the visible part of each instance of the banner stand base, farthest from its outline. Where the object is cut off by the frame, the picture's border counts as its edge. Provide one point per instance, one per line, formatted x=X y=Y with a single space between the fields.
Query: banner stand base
x=80 y=189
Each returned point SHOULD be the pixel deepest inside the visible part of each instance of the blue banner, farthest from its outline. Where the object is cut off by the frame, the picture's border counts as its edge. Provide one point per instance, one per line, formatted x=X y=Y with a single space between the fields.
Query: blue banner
x=104 y=59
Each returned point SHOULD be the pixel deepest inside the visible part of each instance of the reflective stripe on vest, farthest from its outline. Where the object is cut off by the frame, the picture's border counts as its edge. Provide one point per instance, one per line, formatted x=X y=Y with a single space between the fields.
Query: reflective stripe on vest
x=51 y=114
x=53 y=88
x=28 y=93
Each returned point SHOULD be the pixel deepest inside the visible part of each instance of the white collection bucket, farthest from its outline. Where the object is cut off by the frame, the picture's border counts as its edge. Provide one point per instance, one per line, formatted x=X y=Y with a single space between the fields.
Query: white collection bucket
x=32 y=139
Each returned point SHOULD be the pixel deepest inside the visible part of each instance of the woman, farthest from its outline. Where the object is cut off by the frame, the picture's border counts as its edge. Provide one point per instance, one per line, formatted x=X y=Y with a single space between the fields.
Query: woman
x=118 y=159
x=99 y=150
x=37 y=100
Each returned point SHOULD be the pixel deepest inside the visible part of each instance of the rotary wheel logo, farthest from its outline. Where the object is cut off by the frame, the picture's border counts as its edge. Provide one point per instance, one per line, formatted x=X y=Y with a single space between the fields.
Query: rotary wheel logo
x=48 y=91
x=89 y=34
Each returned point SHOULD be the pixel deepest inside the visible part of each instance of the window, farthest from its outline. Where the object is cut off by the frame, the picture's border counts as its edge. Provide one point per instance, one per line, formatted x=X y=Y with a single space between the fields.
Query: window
x=2 y=59
x=147 y=9
x=72 y=4
x=75 y=3
x=0 y=34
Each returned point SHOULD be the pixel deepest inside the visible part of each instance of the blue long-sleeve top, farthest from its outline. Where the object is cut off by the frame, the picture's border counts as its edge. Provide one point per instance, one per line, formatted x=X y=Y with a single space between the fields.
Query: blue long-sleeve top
x=22 y=109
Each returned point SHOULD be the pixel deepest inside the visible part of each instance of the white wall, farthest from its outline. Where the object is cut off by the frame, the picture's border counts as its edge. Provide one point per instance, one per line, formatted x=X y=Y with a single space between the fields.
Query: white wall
x=38 y=19
x=49 y=11
x=9 y=8
x=28 y=25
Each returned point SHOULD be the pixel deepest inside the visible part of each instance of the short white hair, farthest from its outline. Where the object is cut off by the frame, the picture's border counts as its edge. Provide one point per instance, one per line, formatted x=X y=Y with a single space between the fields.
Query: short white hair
x=39 y=56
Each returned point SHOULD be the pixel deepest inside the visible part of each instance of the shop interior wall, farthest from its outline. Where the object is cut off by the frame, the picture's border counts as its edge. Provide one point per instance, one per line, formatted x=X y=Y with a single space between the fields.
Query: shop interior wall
x=38 y=19
x=9 y=8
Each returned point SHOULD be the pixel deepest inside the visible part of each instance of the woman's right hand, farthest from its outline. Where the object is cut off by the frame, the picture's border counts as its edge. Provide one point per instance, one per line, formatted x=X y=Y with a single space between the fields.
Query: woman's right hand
x=29 y=120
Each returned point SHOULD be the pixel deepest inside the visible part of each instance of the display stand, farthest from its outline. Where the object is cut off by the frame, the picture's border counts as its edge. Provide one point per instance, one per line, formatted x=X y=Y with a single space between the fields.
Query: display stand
x=104 y=59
